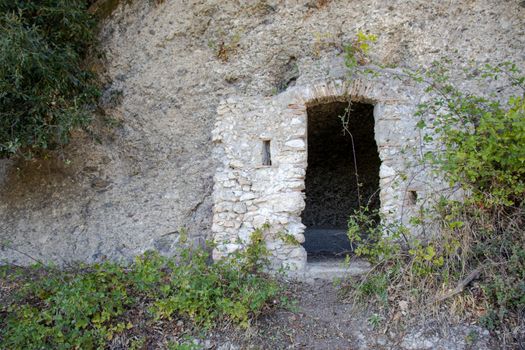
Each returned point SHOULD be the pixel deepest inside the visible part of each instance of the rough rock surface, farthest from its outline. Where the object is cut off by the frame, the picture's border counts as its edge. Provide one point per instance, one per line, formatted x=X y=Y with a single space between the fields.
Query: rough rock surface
x=169 y=65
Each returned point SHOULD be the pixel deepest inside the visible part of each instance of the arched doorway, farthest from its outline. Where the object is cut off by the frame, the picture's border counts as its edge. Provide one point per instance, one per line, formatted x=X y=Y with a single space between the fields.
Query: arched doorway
x=341 y=143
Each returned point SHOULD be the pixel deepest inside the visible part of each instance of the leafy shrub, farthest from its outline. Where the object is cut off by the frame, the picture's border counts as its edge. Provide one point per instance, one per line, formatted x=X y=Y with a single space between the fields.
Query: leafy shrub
x=43 y=86
x=483 y=137
x=373 y=237
x=357 y=52
x=484 y=156
x=66 y=310
x=86 y=308
x=480 y=239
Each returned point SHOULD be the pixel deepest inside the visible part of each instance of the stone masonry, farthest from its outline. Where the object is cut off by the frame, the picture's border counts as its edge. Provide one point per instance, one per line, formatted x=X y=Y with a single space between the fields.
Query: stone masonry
x=248 y=195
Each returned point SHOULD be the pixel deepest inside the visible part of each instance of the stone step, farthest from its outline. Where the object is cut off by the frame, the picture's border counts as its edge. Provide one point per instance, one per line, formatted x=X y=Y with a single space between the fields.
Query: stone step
x=326 y=241
x=331 y=269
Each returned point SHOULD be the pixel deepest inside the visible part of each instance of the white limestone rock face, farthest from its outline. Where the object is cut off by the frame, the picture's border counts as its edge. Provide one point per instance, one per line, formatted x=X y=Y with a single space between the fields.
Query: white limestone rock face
x=136 y=185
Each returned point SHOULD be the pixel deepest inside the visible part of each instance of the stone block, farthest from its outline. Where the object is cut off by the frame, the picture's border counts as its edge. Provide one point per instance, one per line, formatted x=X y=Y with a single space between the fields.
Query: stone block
x=296 y=144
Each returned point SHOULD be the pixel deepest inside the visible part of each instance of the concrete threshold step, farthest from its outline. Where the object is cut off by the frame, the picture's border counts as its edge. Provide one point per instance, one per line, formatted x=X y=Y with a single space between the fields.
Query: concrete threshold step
x=331 y=269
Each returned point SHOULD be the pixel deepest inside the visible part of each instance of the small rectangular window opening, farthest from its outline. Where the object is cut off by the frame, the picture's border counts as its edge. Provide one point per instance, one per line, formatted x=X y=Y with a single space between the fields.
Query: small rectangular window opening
x=266 y=153
x=412 y=197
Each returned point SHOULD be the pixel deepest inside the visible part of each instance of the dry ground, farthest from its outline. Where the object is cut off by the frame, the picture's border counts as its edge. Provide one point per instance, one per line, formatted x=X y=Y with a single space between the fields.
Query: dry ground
x=317 y=318
x=321 y=320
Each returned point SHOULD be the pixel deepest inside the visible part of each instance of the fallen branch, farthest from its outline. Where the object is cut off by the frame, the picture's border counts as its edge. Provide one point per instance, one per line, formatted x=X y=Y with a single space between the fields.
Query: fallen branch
x=461 y=285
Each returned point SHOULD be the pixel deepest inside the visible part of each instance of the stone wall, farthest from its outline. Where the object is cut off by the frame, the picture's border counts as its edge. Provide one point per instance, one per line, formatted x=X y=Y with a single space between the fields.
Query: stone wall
x=119 y=191
x=248 y=195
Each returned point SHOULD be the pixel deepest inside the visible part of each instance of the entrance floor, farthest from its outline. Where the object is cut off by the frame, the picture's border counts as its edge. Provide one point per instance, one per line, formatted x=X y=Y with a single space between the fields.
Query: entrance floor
x=322 y=242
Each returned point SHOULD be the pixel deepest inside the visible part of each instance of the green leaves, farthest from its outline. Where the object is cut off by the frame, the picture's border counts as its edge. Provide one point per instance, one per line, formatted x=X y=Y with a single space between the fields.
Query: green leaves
x=357 y=52
x=43 y=87
x=483 y=138
x=373 y=238
x=86 y=308
x=477 y=143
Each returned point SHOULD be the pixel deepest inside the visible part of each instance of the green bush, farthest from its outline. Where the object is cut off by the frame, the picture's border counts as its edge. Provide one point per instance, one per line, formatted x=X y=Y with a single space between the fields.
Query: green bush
x=483 y=137
x=44 y=88
x=482 y=154
x=86 y=308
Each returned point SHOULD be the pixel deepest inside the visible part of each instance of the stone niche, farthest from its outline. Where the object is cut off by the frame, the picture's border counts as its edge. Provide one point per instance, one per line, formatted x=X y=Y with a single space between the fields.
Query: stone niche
x=261 y=146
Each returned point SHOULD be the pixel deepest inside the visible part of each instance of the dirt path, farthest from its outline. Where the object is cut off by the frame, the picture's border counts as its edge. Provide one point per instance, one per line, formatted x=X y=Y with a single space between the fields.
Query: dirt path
x=321 y=320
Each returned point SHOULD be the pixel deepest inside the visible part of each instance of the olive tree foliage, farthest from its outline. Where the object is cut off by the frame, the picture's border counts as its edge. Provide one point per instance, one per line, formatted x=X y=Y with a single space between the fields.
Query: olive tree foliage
x=45 y=91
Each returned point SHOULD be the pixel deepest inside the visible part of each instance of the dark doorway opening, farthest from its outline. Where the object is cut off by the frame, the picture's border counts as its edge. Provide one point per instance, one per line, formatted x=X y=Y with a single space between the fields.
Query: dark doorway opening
x=331 y=184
